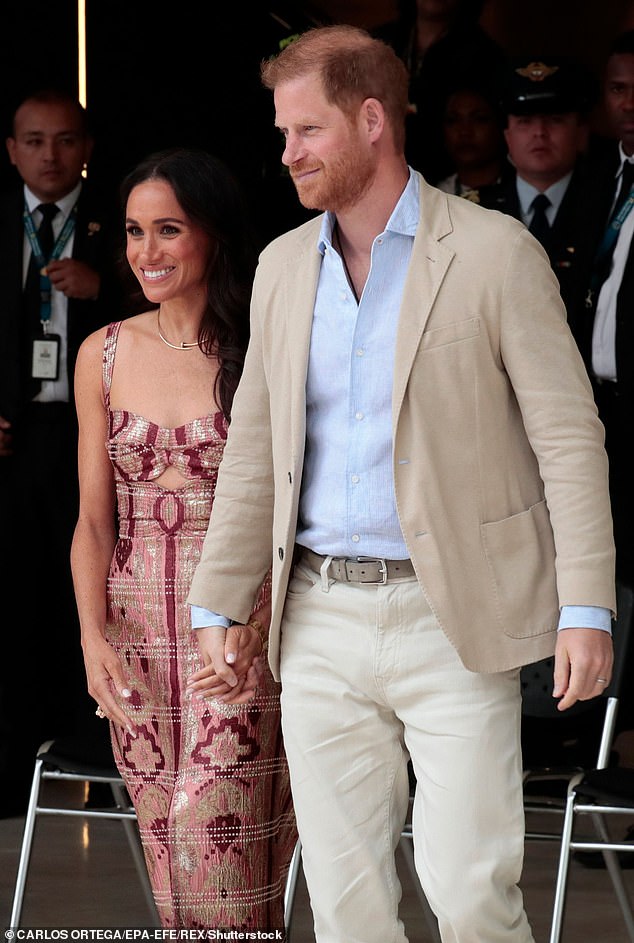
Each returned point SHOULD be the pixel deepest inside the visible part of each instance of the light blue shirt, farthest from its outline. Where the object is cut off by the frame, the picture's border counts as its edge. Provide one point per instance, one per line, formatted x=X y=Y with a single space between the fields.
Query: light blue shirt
x=347 y=503
x=54 y=390
x=526 y=193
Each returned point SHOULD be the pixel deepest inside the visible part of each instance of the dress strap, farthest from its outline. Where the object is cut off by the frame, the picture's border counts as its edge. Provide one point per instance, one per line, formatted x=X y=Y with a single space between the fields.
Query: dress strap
x=109 y=349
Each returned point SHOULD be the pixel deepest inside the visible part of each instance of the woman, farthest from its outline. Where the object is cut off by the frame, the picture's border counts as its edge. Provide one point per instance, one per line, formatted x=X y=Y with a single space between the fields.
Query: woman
x=207 y=774
x=474 y=143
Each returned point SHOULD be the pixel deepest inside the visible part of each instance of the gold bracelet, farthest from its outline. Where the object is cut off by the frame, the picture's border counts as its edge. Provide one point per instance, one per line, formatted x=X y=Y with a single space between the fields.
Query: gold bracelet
x=264 y=639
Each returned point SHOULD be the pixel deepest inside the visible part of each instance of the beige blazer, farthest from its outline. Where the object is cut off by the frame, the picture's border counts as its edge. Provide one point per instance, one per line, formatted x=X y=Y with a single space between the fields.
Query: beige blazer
x=499 y=467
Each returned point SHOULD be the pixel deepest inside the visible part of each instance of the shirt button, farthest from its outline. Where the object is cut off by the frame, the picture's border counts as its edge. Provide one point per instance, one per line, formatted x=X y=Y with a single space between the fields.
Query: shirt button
x=356 y=538
x=358 y=415
x=355 y=479
x=359 y=351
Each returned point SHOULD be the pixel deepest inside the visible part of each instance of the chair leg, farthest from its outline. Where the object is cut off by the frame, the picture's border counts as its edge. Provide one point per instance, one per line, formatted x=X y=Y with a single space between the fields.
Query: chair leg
x=562 y=871
x=25 y=852
x=291 y=886
x=614 y=870
x=132 y=833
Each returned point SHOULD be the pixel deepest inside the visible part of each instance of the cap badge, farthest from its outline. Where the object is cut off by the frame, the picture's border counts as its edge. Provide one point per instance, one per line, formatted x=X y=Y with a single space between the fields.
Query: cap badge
x=537 y=71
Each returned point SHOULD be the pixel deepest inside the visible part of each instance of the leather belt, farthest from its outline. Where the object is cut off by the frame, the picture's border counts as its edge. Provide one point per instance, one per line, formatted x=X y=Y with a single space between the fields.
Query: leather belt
x=360 y=569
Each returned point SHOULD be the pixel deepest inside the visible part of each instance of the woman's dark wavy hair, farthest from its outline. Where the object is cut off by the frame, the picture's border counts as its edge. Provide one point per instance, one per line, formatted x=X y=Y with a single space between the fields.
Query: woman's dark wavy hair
x=211 y=197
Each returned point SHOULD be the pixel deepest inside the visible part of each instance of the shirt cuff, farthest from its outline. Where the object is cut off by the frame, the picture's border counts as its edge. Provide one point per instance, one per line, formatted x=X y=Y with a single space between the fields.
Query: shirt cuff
x=201 y=618
x=585 y=617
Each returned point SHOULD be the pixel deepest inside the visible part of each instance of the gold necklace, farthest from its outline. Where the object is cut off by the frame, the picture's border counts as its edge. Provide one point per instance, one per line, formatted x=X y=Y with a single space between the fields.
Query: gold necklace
x=181 y=346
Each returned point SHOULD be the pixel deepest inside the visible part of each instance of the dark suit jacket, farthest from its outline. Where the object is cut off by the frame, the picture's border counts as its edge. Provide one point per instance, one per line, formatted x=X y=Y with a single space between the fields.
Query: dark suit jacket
x=575 y=234
x=603 y=170
x=94 y=244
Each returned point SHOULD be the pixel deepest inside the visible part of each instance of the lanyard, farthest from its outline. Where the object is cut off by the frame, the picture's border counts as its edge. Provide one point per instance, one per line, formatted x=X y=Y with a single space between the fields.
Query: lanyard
x=609 y=238
x=36 y=249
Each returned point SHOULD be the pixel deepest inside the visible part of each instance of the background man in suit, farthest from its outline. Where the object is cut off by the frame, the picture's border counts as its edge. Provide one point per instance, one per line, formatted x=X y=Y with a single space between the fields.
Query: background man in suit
x=605 y=330
x=53 y=296
x=413 y=437
x=547 y=102
x=604 y=326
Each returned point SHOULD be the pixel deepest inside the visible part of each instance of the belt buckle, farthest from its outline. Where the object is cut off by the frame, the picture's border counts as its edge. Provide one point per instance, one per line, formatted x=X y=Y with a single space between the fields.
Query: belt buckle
x=382 y=569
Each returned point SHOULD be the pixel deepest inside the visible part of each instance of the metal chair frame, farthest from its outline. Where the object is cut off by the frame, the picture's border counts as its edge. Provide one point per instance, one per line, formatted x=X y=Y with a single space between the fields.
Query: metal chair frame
x=48 y=766
x=566 y=774
x=576 y=803
x=51 y=766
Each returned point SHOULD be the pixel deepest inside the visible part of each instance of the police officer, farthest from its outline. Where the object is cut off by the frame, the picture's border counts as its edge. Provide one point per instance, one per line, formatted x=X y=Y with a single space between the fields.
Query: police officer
x=547 y=103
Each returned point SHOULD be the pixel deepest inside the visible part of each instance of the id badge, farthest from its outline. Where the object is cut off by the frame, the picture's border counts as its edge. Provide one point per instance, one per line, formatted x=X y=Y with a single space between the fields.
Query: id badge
x=45 y=363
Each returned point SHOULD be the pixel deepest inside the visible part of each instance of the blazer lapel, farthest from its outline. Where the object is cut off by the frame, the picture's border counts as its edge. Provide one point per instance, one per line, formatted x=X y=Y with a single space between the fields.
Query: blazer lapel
x=428 y=267
x=300 y=278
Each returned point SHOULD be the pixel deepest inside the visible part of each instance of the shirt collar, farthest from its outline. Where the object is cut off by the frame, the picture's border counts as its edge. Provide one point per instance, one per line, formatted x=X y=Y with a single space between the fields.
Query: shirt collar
x=623 y=159
x=526 y=192
x=65 y=204
x=404 y=218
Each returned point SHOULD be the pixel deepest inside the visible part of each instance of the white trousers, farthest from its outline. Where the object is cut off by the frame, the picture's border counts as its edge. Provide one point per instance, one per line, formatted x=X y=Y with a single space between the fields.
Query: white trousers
x=368 y=680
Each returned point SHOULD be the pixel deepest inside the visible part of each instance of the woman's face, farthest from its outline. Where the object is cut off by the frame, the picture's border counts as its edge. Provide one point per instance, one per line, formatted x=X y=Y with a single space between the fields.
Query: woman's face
x=473 y=136
x=168 y=253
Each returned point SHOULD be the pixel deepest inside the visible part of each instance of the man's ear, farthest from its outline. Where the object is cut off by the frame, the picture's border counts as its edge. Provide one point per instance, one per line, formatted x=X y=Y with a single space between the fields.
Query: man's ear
x=373 y=114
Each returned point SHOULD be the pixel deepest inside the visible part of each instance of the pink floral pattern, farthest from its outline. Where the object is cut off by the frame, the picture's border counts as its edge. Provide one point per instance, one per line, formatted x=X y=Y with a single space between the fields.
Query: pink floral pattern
x=209 y=783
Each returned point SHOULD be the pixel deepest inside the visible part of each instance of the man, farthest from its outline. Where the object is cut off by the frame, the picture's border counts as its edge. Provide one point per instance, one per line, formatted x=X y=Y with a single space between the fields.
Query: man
x=413 y=414
x=604 y=327
x=546 y=103
x=52 y=298
x=605 y=330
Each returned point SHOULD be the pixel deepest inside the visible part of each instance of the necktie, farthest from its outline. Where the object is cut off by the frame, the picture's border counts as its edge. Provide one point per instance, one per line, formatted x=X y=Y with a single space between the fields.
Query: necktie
x=32 y=297
x=627 y=179
x=539 y=226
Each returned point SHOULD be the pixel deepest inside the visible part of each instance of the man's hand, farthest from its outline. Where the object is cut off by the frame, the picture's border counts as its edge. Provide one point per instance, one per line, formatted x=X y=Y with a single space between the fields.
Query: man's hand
x=74 y=278
x=583 y=665
x=233 y=666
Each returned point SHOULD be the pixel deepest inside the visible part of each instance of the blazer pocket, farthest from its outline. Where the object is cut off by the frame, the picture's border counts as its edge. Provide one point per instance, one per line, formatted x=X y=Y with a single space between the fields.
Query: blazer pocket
x=520 y=552
x=450 y=333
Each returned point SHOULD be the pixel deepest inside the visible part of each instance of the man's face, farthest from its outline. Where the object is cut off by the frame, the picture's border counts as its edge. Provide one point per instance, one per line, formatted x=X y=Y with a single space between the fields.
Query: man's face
x=328 y=157
x=49 y=148
x=619 y=98
x=544 y=147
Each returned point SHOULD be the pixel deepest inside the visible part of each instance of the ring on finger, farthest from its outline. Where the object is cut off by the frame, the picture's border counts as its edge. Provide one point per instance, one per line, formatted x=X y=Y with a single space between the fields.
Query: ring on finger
x=602 y=681
x=100 y=712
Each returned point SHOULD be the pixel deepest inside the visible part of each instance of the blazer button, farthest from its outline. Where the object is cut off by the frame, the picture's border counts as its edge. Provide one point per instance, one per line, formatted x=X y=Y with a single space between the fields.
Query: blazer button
x=280 y=552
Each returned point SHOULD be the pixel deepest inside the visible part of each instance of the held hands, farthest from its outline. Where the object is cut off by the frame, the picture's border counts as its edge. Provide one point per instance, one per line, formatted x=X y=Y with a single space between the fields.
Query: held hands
x=105 y=679
x=74 y=278
x=233 y=663
x=583 y=665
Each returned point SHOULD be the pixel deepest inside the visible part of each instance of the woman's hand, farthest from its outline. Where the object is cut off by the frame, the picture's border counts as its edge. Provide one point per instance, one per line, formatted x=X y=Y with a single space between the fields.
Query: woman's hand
x=233 y=668
x=106 y=679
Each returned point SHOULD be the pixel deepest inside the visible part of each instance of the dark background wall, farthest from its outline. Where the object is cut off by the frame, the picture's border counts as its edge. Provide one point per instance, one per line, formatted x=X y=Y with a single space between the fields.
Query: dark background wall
x=155 y=80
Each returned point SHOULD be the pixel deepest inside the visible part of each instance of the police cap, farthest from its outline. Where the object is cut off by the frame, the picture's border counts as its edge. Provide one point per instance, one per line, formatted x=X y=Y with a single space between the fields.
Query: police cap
x=541 y=85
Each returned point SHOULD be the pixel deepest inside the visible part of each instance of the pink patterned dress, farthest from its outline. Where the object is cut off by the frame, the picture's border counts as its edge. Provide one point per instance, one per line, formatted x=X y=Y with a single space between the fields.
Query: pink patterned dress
x=209 y=782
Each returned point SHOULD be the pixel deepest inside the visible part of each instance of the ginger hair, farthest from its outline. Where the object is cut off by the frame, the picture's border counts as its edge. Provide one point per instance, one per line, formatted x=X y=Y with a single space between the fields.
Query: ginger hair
x=352 y=65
